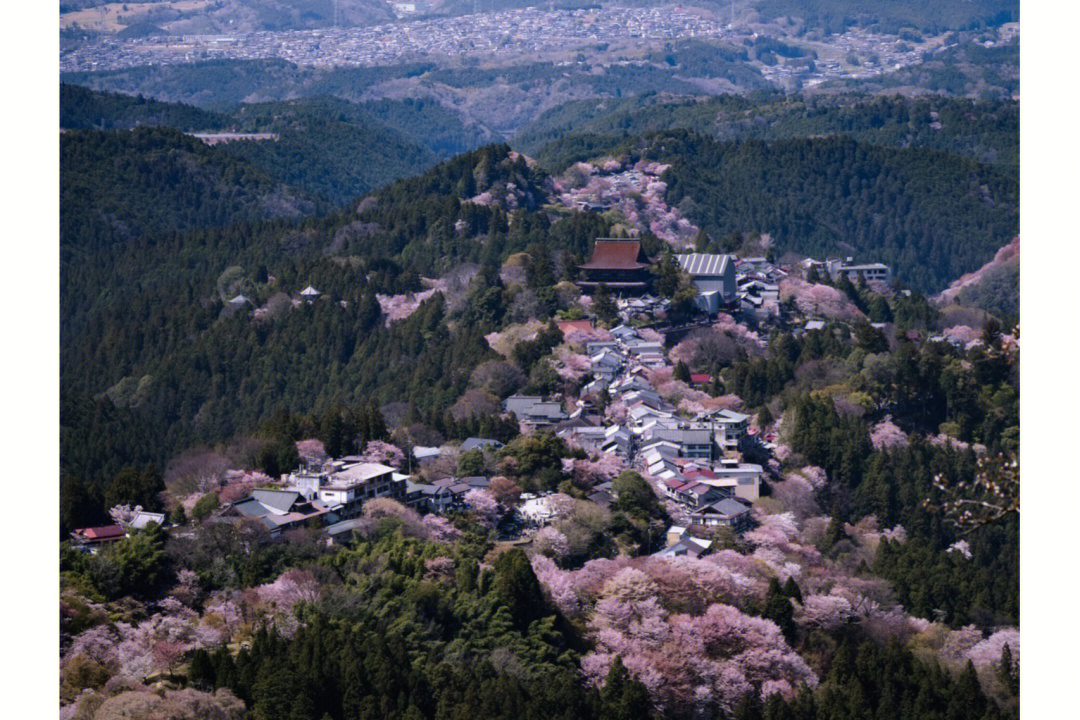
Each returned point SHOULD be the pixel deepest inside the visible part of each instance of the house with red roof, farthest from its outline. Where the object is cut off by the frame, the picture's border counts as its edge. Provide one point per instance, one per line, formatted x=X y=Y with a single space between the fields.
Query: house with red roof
x=94 y=537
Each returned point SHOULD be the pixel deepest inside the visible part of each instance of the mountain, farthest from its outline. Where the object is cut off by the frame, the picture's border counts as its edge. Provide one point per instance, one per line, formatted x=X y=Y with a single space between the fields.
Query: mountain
x=180 y=360
x=85 y=109
x=118 y=185
x=330 y=148
x=340 y=150
x=988 y=130
x=501 y=98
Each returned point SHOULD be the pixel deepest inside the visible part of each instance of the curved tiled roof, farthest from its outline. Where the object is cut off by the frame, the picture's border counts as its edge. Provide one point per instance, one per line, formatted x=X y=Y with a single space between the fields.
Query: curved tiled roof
x=616 y=255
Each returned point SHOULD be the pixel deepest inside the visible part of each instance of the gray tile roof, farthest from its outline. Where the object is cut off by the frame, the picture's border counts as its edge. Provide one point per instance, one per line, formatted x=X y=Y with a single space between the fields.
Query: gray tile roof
x=280 y=500
x=475 y=443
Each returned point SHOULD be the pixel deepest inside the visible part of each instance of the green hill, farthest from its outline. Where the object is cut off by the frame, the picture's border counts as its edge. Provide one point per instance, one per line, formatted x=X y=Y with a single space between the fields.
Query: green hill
x=986 y=130
x=118 y=185
x=85 y=109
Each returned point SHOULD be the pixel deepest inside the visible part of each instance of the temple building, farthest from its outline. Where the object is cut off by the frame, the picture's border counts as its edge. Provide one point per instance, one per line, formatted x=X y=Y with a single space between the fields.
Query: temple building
x=621 y=265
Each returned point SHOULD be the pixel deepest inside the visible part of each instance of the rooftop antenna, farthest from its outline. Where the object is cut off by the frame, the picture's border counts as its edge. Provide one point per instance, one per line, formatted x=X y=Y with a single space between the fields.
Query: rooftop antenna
x=731 y=26
x=337 y=10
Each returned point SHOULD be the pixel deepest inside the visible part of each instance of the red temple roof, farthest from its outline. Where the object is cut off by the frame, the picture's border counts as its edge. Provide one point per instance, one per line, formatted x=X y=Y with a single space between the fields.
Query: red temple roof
x=568 y=326
x=616 y=255
x=100 y=534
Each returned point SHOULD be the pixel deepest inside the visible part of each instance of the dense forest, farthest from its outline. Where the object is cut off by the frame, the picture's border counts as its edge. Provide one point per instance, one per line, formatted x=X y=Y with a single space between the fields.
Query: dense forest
x=211 y=373
x=118 y=185
x=987 y=131
x=928 y=214
x=332 y=149
x=85 y=109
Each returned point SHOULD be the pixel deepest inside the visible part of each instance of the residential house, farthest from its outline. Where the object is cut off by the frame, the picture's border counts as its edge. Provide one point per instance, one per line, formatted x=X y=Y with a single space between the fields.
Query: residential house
x=534 y=411
x=475 y=443
x=142 y=519
x=92 y=538
x=733 y=425
x=728 y=512
x=606 y=365
x=691 y=442
x=425 y=454
x=739 y=479
x=595 y=347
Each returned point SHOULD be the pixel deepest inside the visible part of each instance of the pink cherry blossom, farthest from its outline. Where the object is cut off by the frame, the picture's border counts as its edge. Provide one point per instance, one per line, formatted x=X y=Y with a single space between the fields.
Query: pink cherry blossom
x=384 y=453
x=827 y=612
x=988 y=652
x=886 y=434
x=483 y=502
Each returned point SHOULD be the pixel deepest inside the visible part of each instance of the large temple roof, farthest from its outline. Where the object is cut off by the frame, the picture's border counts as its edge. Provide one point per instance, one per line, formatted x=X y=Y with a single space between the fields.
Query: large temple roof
x=616 y=255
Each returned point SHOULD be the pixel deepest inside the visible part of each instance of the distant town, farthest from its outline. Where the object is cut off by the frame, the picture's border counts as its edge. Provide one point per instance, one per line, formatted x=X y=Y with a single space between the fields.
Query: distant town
x=528 y=34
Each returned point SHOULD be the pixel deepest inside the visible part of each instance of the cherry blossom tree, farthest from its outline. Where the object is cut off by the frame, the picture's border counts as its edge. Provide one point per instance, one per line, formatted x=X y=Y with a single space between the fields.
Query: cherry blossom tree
x=312 y=452
x=818 y=300
x=558 y=584
x=886 y=434
x=291 y=587
x=506 y=491
x=483 y=503
x=993 y=494
x=439 y=567
x=686 y=660
x=573 y=367
x=827 y=612
x=550 y=542
x=988 y=652
x=124 y=514
x=439 y=529
x=961 y=547
x=378 y=451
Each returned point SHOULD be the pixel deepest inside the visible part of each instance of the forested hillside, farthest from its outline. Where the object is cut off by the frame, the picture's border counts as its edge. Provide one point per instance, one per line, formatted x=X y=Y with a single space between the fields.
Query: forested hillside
x=85 y=109
x=986 y=130
x=193 y=371
x=118 y=185
x=210 y=373
x=339 y=150
x=332 y=149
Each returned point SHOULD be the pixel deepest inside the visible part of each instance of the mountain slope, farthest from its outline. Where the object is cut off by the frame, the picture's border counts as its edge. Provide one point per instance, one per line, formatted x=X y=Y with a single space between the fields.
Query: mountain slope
x=986 y=130
x=85 y=109
x=117 y=185
x=340 y=150
x=930 y=215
